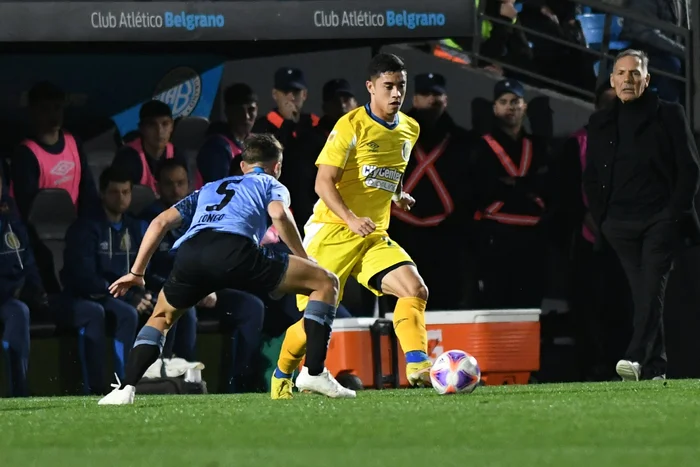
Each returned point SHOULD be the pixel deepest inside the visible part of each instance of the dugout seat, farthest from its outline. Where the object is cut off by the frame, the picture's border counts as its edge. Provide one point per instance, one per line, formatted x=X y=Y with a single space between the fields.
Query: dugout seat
x=141 y=197
x=98 y=161
x=50 y=215
x=105 y=142
x=188 y=136
x=189 y=133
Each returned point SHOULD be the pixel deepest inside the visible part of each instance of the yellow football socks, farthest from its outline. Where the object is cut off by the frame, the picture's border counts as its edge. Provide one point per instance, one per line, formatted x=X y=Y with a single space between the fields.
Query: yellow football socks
x=409 y=324
x=293 y=349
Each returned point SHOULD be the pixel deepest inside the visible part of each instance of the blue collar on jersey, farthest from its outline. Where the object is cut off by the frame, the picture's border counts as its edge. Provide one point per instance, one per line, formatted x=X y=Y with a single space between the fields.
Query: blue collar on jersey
x=389 y=126
x=258 y=170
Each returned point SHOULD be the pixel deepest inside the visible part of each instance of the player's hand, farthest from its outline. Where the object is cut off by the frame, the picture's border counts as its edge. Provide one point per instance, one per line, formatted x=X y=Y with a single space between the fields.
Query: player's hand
x=362 y=226
x=145 y=306
x=405 y=202
x=289 y=111
x=124 y=283
x=209 y=301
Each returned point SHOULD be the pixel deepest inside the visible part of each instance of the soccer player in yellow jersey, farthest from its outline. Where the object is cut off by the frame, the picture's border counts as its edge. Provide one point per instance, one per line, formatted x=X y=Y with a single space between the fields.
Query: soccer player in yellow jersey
x=360 y=172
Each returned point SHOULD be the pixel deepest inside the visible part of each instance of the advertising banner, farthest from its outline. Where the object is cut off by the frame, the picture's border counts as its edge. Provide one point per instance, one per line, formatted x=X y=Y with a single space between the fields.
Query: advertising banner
x=234 y=20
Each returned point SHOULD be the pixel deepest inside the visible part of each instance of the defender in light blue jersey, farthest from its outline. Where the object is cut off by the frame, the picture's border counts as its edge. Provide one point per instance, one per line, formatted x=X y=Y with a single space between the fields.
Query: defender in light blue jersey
x=220 y=250
x=236 y=205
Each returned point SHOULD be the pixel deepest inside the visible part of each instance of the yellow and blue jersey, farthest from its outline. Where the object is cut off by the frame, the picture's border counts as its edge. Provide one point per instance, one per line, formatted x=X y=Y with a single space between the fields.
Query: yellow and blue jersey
x=373 y=155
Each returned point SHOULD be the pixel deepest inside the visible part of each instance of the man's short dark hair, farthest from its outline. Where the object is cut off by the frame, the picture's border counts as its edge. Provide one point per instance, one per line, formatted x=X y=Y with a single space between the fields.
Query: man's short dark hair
x=155 y=109
x=45 y=91
x=261 y=148
x=169 y=164
x=385 y=63
x=239 y=94
x=640 y=54
x=113 y=174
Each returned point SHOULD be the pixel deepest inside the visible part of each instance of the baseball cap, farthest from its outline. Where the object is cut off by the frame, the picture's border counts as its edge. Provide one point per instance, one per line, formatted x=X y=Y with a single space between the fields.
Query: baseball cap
x=506 y=86
x=289 y=79
x=428 y=83
x=336 y=87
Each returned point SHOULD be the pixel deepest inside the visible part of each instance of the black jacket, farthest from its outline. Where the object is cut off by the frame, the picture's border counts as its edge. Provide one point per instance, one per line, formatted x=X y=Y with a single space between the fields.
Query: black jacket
x=665 y=137
x=486 y=172
x=19 y=276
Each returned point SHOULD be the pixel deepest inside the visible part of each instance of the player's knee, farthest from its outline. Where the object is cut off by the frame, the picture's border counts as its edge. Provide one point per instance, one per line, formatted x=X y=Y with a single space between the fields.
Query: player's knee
x=163 y=317
x=331 y=285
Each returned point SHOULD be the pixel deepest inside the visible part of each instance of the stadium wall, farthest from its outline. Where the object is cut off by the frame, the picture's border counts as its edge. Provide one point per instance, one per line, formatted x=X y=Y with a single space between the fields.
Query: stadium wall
x=464 y=84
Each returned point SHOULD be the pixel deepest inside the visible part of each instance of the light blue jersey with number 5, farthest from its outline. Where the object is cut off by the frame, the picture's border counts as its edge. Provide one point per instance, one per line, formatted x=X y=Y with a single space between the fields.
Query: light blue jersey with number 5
x=235 y=205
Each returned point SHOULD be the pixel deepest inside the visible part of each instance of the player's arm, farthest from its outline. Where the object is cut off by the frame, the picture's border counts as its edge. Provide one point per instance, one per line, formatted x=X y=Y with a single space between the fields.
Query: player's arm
x=401 y=199
x=165 y=222
x=399 y=190
x=181 y=213
x=168 y=220
x=326 y=180
x=331 y=164
x=283 y=220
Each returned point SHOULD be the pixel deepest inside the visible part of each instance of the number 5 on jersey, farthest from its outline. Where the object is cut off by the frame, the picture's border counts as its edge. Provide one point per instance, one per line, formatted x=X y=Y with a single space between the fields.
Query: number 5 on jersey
x=226 y=192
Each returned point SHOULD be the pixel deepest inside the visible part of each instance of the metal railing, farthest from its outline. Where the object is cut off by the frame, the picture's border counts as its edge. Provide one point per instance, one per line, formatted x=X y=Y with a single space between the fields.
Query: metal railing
x=689 y=70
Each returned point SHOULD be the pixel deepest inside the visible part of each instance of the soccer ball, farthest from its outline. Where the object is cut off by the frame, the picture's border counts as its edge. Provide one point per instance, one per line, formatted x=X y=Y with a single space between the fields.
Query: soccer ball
x=455 y=371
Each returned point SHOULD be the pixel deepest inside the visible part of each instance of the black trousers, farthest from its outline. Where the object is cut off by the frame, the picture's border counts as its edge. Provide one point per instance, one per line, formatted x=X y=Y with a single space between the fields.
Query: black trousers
x=646 y=249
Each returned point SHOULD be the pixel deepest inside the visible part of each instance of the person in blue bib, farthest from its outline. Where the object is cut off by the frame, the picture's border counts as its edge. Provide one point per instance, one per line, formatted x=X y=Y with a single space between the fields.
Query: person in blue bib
x=220 y=250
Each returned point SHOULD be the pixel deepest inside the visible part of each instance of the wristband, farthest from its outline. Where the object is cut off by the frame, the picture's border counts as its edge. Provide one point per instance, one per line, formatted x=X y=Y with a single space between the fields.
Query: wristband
x=134 y=274
x=396 y=197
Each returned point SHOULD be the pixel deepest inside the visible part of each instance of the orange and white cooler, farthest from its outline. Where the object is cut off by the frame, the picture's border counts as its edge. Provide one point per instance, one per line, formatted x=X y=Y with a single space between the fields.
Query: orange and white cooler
x=506 y=343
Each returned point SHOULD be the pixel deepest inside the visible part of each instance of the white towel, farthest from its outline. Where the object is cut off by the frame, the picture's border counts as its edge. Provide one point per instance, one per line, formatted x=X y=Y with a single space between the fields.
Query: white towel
x=171 y=368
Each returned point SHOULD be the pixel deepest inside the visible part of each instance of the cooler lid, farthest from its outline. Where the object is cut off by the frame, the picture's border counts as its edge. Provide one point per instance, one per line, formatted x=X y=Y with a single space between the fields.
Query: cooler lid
x=480 y=316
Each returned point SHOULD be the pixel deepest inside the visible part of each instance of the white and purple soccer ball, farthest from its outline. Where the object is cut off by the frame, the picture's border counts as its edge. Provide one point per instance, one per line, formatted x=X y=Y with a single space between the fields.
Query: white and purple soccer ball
x=455 y=371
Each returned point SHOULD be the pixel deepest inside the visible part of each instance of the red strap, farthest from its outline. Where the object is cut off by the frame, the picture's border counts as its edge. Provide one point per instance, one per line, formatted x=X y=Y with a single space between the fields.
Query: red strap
x=493 y=210
x=275 y=118
x=426 y=167
x=507 y=162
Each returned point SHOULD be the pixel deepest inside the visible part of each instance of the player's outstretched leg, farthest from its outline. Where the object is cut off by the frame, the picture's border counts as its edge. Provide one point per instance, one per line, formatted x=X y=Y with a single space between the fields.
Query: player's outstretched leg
x=147 y=348
x=409 y=320
x=306 y=278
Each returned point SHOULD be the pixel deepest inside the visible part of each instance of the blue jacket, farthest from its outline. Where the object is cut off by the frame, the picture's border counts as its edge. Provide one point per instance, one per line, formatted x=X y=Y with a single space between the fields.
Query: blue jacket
x=162 y=262
x=17 y=266
x=99 y=252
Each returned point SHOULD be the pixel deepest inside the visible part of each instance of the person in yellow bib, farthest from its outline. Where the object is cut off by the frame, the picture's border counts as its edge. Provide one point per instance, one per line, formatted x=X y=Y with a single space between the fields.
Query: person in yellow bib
x=360 y=171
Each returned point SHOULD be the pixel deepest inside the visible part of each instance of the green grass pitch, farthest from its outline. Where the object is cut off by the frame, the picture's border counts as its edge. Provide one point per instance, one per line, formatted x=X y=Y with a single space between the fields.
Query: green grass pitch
x=593 y=425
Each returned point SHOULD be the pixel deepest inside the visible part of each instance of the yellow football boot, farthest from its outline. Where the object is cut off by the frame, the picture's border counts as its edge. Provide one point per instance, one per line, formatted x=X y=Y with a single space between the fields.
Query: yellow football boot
x=281 y=388
x=418 y=374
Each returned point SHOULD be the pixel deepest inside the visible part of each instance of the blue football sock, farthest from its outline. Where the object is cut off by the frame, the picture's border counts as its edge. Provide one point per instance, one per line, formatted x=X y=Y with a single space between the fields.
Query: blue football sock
x=280 y=375
x=416 y=356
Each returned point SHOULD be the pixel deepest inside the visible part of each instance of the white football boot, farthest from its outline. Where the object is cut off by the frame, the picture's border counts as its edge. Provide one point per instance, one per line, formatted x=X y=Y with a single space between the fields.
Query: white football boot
x=119 y=396
x=324 y=384
x=629 y=371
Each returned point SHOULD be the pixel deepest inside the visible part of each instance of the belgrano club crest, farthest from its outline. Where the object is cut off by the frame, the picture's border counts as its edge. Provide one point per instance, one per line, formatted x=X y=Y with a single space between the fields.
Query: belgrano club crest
x=12 y=241
x=406 y=150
